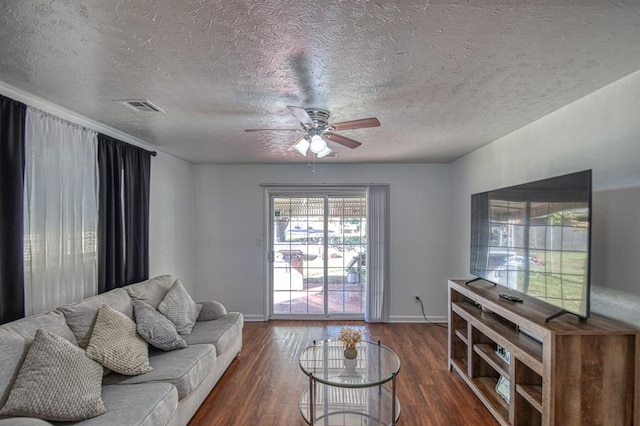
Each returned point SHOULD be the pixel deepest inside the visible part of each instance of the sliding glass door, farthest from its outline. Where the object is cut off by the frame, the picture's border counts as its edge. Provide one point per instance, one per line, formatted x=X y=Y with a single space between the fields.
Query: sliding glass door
x=318 y=254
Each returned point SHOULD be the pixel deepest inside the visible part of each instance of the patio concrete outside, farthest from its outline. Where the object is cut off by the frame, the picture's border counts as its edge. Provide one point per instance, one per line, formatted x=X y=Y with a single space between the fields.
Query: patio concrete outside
x=299 y=286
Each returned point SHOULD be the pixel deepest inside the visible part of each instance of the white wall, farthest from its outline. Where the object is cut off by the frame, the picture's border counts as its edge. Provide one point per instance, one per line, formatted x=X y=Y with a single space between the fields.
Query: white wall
x=171 y=219
x=600 y=132
x=230 y=266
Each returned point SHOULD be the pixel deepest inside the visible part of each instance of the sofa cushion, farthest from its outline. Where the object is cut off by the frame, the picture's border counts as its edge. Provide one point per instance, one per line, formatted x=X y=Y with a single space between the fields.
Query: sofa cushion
x=220 y=332
x=53 y=321
x=147 y=404
x=155 y=328
x=13 y=347
x=211 y=310
x=15 y=337
x=56 y=382
x=184 y=368
x=116 y=345
x=80 y=316
x=23 y=421
x=178 y=306
x=151 y=291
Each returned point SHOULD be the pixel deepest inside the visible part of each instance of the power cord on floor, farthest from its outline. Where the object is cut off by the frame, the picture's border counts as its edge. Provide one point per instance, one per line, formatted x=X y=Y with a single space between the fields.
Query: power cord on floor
x=429 y=322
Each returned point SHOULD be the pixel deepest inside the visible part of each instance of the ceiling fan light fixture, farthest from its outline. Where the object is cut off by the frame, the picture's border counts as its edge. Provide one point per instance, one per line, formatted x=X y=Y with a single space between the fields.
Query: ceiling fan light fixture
x=317 y=144
x=302 y=146
x=326 y=151
x=314 y=123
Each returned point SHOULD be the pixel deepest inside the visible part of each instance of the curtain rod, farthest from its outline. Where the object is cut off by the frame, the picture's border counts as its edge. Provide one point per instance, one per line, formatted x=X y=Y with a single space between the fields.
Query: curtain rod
x=64 y=114
x=152 y=153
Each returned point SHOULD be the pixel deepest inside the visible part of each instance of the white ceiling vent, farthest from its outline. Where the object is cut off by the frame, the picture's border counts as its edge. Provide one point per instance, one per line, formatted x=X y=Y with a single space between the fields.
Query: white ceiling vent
x=141 y=105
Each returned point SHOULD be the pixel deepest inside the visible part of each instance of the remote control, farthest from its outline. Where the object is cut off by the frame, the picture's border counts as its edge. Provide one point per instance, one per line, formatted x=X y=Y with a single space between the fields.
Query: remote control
x=510 y=298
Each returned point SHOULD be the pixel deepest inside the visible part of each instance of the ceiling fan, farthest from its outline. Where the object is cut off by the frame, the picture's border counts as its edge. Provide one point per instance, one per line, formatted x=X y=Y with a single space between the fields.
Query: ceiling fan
x=314 y=123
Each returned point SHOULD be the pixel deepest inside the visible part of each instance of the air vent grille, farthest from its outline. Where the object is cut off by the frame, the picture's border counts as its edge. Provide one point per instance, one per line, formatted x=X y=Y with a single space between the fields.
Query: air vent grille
x=142 y=105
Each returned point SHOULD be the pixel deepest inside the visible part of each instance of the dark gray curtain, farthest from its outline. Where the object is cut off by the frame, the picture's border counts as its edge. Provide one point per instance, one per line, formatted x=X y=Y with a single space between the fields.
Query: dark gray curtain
x=480 y=234
x=12 y=119
x=123 y=218
x=137 y=168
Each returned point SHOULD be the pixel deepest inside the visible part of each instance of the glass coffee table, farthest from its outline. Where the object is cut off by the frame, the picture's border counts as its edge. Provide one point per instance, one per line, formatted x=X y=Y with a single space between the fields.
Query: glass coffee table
x=350 y=392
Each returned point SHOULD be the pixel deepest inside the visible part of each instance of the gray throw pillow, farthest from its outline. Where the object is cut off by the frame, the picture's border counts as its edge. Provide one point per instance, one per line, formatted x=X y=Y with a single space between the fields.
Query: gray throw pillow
x=151 y=291
x=115 y=343
x=212 y=310
x=81 y=316
x=155 y=328
x=178 y=306
x=56 y=382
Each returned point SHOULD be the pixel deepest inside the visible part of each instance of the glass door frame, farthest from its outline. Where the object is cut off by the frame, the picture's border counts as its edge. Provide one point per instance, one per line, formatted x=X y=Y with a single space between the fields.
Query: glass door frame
x=304 y=191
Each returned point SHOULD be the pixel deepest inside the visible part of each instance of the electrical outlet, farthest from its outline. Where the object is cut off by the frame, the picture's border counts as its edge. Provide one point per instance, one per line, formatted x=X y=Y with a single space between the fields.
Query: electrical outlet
x=416 y=298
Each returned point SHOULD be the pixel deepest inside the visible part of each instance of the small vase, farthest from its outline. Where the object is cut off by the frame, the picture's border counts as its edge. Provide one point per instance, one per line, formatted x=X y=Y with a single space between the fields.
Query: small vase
x=350 y=352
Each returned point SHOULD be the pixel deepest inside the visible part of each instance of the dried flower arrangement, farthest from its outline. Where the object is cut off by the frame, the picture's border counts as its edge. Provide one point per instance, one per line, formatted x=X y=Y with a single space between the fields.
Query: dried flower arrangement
x=350 y=337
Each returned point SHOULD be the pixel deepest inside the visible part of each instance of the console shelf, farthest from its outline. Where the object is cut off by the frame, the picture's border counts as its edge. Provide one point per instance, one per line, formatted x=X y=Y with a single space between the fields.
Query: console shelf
x=533 y=395
x=488 y=353
x=573 y=373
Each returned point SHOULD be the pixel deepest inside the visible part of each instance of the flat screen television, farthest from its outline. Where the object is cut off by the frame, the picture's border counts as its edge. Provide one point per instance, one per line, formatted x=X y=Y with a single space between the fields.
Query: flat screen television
x=535 y=238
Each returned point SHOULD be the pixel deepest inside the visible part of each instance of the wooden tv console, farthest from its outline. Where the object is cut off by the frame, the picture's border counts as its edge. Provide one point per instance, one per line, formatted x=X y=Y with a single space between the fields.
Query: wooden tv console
x=581 y=373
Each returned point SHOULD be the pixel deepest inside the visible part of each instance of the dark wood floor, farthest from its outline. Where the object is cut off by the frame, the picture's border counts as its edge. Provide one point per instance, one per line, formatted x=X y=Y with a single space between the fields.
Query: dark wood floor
x=263 y=385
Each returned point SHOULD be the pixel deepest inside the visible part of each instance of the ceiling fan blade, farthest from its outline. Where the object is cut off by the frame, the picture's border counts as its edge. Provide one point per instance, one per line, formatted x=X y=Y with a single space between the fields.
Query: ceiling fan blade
x=272 y=130
x=301 y=115
x=333 y=137
x=356 y=124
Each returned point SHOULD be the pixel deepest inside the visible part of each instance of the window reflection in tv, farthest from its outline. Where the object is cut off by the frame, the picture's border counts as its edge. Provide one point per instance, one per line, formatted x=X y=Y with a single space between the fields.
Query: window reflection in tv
x=535 y=239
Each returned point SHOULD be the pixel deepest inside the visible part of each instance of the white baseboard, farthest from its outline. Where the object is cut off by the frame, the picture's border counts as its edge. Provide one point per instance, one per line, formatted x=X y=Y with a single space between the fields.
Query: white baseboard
x=417 y=319
x=254 y=318
x=394 y=319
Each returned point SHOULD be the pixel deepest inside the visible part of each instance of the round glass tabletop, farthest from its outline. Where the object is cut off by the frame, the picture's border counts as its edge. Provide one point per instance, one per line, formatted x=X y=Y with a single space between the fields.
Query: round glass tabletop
x=325 y=361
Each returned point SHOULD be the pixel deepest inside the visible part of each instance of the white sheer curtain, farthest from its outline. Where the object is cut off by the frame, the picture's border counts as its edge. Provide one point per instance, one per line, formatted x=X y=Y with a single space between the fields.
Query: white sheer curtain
x=377 y=299
x=61 y=212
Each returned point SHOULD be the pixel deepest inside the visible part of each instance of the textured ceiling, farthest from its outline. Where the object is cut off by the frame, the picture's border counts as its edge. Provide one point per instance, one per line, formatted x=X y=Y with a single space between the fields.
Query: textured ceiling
x=443 y=77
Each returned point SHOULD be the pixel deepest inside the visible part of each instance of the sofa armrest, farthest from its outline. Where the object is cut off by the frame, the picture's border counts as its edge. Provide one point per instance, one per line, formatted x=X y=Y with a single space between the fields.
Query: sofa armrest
x=211 y=310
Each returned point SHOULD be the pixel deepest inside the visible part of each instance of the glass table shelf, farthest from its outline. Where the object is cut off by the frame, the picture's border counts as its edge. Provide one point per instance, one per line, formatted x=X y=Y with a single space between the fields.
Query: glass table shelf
x=347 y=392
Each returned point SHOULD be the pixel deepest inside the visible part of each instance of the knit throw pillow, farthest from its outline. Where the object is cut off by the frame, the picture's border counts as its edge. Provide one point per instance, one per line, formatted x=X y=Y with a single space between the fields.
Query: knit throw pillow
x=56 y=382
x=178 y=306
x=155 y=328
x=115 y=344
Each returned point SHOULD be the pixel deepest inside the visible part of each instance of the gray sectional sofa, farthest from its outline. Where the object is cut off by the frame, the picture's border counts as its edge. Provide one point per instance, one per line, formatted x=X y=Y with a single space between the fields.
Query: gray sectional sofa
x=170 y=394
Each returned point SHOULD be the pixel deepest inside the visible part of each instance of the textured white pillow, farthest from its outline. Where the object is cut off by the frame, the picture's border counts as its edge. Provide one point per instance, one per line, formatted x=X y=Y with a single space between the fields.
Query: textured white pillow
x=115 y=343
x=178 y=306
x=56 y=382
